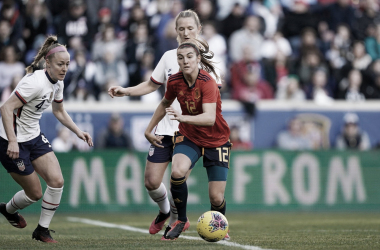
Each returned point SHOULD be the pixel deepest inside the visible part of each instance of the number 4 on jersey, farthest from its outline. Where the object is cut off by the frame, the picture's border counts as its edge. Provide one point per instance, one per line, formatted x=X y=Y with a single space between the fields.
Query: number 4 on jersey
x=39 y=106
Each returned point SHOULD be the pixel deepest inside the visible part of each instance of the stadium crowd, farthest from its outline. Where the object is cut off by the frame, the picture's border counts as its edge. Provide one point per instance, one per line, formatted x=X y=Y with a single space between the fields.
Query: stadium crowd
x=295 y=50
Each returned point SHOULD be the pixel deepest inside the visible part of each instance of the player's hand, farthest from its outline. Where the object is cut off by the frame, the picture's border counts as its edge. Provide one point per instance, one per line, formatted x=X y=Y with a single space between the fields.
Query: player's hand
x=13 y=150
x=155 y=140
x=174 y=114
x=86 y=137
x=117 y=91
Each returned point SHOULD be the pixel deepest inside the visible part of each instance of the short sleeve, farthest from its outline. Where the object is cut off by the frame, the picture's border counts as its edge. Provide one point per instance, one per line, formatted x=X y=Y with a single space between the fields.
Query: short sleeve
x=158 y=74
x=170 y=93
x=210 y=92
x=26 y=91
x=59 y=94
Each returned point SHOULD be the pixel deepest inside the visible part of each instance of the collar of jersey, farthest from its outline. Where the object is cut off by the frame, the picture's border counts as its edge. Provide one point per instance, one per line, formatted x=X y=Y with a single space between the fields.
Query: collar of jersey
x=48 y=77
x=194 y=82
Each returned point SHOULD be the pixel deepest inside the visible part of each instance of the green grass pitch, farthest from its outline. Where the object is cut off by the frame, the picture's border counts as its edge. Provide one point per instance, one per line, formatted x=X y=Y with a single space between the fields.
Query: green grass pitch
x=291 y=231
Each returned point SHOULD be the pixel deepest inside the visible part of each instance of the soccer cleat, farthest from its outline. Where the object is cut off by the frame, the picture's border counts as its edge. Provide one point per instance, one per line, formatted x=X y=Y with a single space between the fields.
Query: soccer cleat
x=227 y=237
x=43 y=235
x=167 y=229
x=158 y=223
x=187 y=225
x=176 y=229
x=15 y=219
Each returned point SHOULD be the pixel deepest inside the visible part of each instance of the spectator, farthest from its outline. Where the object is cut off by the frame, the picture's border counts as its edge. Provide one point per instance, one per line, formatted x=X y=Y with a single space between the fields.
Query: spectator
x=247 y=84
x=74 y=27
x=114 y=135
x=107 y=39
x=79 y=81
x=236 y=140
x=95 y=6
x=217 y=44
x=63 y=142
x=8 y=90
x=340 y=48
x=319 y=90
x=9 y=67
x=340 y=12
x=366 y=16
x=249 y=32
x=353 y=90
x=308 y=64
x=372 y=44
x=36 y=23
x=107 y=68
x=206 y=10
x=10 y=12
x=289 y=89
x=233 y=21
x=352 y=137
x=293 y=137
x=371 y=89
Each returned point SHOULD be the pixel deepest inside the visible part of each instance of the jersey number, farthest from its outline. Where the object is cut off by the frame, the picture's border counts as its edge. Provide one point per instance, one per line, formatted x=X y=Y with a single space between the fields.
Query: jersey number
x=223 y=153
x=191 y=107
x=45 y=140
x=39 y=106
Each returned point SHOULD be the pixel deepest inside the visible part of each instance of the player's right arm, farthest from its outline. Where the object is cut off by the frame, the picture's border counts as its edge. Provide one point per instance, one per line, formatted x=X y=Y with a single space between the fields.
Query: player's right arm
x=143 y=88
x=156 y=118
x=7 y=117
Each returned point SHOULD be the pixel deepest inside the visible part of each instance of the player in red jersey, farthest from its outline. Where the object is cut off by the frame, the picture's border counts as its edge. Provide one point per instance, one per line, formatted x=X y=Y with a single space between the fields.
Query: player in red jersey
x=202 y=129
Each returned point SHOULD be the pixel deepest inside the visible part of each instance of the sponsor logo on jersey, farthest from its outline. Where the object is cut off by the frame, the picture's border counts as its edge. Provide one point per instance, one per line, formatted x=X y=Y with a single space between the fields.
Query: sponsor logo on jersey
x=20 y=165
x=151 y=150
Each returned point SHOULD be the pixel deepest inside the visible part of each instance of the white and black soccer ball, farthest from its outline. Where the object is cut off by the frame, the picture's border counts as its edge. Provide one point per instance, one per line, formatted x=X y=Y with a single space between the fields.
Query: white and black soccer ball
x=212 y=226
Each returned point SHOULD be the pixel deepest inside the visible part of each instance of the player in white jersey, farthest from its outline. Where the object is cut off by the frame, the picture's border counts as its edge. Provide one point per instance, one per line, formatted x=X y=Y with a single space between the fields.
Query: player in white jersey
x=24 y=151
x=188 y=27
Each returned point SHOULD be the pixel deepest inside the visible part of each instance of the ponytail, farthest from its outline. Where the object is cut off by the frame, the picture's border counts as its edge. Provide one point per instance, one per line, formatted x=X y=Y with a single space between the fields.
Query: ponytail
x=50 y=43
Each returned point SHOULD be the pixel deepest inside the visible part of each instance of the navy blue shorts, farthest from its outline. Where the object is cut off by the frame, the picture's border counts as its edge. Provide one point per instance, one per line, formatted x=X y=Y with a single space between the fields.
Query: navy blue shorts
x=160 y=155
x=28 y=152
x=216 y=160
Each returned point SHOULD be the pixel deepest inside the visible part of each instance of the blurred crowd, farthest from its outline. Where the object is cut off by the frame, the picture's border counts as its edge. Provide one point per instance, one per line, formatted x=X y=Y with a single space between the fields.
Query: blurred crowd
x=293 y=50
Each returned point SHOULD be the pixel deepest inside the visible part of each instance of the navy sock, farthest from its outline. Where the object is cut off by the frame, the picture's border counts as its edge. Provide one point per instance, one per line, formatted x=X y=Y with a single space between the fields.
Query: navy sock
x=221 y=208
x=179 y=192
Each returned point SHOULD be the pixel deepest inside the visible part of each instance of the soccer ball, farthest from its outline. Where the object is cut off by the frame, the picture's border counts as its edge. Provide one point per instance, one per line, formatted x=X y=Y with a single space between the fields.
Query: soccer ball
x=212 y=226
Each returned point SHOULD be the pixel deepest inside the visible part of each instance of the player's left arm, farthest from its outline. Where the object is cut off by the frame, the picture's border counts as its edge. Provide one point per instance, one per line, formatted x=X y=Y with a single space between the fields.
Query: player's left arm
x=62 y=116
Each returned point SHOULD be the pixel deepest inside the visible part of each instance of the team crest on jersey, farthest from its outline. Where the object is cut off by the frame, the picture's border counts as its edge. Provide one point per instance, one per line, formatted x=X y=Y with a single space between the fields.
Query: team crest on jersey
x=20 y=165
x=151 y=150
x=197 y=94
x=181 y=93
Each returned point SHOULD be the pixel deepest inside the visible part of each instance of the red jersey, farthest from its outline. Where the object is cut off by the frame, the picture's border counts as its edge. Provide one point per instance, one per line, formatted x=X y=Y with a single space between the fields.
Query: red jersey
x=204 y=90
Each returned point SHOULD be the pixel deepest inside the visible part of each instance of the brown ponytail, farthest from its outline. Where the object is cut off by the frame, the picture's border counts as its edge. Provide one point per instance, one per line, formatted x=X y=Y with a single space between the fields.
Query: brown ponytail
x=206 y=54
x=50 y=43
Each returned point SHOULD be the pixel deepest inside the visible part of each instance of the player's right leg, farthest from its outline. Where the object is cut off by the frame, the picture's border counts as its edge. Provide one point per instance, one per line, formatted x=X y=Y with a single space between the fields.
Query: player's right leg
x=23 y=173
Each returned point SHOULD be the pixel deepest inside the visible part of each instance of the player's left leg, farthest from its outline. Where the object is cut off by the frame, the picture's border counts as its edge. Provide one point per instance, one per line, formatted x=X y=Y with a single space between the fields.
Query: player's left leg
x=47 y=166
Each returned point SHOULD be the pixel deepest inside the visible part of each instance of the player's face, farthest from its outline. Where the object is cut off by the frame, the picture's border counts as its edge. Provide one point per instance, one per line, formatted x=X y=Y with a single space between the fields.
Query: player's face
x=187 y=28
x=188 y=60
x=57 y=65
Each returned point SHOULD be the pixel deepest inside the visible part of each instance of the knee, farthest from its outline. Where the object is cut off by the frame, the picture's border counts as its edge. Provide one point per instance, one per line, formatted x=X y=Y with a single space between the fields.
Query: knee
x=151 y=184
x=57 y=183
x=216 y=199
x=34 y=195
x=177 y=173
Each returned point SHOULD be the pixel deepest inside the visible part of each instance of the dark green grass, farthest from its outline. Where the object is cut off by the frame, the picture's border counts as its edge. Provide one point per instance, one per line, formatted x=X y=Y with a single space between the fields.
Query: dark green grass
x=291 y=231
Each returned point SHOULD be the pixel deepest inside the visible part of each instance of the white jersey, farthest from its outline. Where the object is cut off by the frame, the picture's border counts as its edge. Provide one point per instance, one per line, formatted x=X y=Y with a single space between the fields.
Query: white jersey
x=36 y=91
x=166 y=67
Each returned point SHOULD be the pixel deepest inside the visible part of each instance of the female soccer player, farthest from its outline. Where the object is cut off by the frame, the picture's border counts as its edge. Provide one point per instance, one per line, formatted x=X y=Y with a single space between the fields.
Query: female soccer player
x=188 y=27
x=202 y=129
x=24 y=150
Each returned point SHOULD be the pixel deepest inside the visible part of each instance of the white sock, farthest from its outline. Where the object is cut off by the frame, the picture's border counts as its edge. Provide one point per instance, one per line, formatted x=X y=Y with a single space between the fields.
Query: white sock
x=50 y=203
x=160 y=196
x=173 y=211
x=18 y=201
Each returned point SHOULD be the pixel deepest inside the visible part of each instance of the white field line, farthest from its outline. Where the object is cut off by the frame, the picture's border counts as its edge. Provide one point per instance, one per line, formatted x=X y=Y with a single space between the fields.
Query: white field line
x=145 y=231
